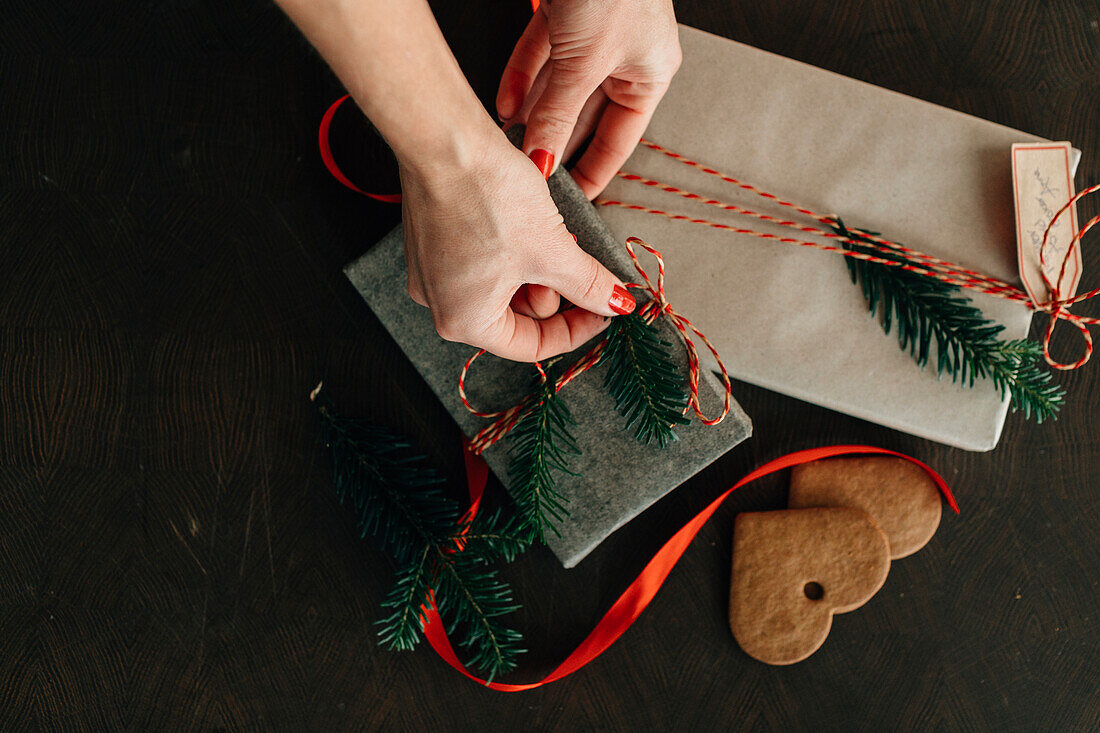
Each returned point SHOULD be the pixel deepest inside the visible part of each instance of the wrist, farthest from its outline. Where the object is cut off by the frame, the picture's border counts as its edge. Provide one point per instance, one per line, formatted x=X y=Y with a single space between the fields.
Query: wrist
x=451 y=149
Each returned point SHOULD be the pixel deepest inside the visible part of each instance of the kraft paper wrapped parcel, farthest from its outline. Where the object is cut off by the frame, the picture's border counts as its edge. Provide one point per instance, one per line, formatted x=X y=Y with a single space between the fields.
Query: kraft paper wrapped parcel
x=786 y=317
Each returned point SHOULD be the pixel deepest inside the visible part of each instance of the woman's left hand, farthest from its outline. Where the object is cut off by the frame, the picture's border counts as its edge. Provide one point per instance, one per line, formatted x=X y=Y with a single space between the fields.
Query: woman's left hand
x=589 y=67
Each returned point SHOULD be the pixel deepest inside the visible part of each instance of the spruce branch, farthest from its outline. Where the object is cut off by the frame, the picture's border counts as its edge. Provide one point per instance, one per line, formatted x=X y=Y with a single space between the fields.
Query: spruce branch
x=493 y=535
x=471 y=598
x=398 y=499
x=400 y=631
x=648 y=388
x=925 y=311
x=542 y=444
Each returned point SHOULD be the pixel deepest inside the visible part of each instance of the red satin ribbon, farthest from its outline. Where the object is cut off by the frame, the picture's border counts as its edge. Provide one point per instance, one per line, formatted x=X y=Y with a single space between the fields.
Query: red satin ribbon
x=330 y=162
x=639 y=593
x=477 y=475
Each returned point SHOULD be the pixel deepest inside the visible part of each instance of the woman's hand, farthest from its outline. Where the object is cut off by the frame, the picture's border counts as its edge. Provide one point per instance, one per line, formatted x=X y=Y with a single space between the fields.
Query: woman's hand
x=590 y=67
x=488 y=253
x=485 y=245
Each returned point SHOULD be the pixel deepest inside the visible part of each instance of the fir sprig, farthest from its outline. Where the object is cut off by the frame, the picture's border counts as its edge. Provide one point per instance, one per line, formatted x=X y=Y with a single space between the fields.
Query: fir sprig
x=926 y=311
x=398 y=499
x=493 y=535
x=400 y=631
x=542 y=444
x=471 y=597
x=648 y=388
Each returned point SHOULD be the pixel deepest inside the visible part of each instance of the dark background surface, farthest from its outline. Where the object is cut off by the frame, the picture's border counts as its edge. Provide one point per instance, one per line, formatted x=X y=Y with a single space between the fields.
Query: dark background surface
x=171 y=552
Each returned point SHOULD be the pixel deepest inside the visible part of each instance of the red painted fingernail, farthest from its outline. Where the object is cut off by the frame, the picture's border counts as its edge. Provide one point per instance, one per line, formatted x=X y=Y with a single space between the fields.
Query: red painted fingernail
x=544 y=159
x=621 y=301
x=574 y=236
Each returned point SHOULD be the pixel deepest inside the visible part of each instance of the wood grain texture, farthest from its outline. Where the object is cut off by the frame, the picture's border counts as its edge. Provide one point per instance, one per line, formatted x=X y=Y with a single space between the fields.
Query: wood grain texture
x=171 y=552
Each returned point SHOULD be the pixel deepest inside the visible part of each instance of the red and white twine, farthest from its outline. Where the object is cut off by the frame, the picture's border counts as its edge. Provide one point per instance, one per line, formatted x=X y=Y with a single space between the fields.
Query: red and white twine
x=505 y=420
x=923 y=264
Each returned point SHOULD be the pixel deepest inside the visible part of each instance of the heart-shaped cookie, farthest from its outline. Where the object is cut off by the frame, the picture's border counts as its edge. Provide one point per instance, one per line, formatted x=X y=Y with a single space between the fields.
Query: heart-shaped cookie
x=794 y=569
x=898 y=494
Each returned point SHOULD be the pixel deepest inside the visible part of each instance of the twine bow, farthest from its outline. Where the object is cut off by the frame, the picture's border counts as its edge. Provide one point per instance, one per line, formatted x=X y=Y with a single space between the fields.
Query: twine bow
x=1057 y=307
x=656 y=305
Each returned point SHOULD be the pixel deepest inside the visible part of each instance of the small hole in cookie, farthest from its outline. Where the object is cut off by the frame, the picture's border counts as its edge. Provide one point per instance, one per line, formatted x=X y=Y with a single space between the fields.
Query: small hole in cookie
x=813 y=591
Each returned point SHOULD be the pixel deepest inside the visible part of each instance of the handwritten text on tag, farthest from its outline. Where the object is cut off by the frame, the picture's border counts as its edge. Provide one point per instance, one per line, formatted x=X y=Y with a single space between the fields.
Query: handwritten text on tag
x=1042 y=183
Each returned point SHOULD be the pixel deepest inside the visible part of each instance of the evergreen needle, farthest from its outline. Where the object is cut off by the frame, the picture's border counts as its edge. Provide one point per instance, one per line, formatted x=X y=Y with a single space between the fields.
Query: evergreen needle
x=926 y=312
x=647 y=386
x=542 y=444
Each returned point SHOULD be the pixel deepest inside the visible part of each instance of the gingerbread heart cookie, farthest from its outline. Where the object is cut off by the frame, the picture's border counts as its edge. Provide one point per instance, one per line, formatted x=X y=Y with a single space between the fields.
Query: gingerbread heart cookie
x=794 y=569
x=897 y=493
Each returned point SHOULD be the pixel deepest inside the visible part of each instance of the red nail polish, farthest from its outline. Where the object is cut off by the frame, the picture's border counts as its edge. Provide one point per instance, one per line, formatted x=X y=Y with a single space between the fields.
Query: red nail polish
x=544 y=159
x=574 y=236
x=621 y=301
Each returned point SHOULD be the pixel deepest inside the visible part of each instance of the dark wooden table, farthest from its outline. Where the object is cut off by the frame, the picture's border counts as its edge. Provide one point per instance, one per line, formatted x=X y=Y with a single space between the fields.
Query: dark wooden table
x=171 y=552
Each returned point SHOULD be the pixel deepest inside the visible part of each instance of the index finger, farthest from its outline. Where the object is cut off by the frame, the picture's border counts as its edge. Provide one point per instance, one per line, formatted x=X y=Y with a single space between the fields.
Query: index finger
x=617 y=133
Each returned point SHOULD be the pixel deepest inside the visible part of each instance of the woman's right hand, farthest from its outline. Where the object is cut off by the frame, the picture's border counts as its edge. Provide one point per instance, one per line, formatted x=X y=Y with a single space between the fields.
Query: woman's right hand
x=488 y=253
x=484 y=243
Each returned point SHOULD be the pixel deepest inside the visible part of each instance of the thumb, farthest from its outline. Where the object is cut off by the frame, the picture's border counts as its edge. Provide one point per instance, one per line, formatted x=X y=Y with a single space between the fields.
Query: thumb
x=580 y=278
x=552 y=119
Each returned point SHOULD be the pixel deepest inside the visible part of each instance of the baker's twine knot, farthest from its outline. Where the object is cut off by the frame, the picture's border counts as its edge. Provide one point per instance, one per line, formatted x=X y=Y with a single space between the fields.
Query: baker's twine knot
x=1057 y=307
x=656 y=305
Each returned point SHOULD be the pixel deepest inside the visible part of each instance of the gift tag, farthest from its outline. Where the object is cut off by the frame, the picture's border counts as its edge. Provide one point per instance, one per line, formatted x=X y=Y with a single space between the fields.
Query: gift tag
x=1042 y=183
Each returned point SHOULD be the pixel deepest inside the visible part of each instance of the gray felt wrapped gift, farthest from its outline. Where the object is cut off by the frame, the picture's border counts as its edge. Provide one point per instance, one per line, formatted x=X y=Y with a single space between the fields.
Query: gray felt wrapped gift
x=617 y=477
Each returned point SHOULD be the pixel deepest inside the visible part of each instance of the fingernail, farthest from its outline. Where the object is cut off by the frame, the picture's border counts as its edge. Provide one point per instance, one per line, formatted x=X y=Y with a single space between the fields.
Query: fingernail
x=574 y=236
x=508 y=104
x=544 y=159
x=621 y=301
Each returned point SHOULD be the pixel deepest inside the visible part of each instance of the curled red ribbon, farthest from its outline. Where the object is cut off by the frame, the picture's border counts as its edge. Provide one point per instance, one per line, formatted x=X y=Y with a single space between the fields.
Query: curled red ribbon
x=629 y=606
x=330 y=162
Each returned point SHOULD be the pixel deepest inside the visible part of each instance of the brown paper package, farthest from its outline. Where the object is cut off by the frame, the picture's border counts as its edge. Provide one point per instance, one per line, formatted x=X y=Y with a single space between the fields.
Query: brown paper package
x=788 y=318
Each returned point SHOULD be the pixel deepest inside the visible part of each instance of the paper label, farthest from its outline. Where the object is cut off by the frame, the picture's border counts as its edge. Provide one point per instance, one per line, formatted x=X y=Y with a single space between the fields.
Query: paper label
x=1042 y=183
